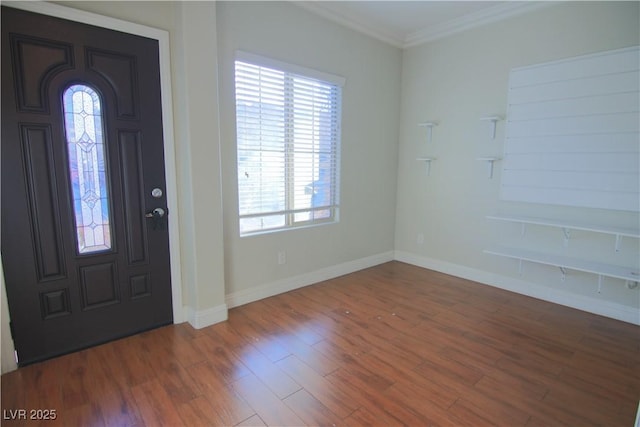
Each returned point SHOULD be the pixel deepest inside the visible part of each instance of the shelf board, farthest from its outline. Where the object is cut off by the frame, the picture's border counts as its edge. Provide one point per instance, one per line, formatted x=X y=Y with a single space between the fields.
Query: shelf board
x=609 y=270
x=618 y=231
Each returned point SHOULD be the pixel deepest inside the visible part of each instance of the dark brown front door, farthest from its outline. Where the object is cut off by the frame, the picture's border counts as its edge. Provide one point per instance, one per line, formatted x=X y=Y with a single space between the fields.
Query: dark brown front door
x=82 y=152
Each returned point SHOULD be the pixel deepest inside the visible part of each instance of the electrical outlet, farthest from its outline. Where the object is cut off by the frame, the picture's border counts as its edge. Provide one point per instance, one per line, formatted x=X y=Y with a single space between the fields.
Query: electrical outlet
x=282 y=257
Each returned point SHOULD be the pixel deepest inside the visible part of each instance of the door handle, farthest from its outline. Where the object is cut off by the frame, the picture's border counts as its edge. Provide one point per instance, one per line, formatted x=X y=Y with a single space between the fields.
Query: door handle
x=156 y=213
x=157 y=216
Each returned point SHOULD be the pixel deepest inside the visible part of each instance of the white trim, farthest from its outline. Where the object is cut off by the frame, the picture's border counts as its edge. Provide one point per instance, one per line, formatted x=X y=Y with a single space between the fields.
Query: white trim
x=316 y=7
x=591 y=305
x=162 y=37
x=482 y=17
x=466 y=22
x=267 y=290
x=208 y=317
x=64 y=12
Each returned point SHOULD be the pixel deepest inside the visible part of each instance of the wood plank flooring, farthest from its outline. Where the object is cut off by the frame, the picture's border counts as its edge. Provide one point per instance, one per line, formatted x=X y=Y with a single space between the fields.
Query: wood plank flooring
x=391 y=345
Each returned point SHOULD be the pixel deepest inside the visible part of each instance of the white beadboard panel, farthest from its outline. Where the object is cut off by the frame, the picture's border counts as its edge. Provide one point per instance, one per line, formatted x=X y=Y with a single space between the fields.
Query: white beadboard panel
x=598 y=163
x=609 y=62
x=573 y=132
x=577 y=88
x=626 y=201
x=576 y=125
x=596 y=143
x=584 y=106
x=622 y=182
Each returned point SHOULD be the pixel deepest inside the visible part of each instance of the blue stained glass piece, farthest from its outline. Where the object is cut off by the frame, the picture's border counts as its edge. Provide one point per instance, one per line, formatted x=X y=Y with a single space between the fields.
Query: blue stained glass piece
x=101 y=166
x=87 y=169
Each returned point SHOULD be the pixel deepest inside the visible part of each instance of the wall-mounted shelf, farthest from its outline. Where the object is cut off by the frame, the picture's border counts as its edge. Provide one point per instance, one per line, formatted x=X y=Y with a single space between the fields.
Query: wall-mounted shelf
x=429 y=126
x=563 y=262
x=427 y=161
x=490 y=161
x=567 y=226
x=493 y=120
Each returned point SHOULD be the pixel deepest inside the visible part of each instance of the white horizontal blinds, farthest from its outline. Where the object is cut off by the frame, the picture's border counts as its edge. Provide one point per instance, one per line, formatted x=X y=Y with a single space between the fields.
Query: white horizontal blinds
x=288 y=129
x=260 y=131
x=573 y=132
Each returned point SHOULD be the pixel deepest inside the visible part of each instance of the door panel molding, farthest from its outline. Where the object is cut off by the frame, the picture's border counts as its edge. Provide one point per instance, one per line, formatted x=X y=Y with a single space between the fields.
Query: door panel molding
x=55 y=303
x=99 y=285
x=41 y=186
x=139 y=286
x=162 y=37
x=30 y=51
x=133 y=195
x=121 y=70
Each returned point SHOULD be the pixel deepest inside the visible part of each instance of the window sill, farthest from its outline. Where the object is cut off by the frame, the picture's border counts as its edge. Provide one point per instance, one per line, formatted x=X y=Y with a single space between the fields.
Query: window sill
x=289 y=228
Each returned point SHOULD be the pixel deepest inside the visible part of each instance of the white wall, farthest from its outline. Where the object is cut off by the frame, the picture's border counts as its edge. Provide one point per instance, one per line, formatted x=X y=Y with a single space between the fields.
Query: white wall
x=196 y=93
x=456 y=81
x=370 y=114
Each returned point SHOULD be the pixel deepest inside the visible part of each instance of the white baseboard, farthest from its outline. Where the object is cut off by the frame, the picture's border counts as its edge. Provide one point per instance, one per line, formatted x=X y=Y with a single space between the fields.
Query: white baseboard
x=580 y=302
x=203 y=318
x=592 y=305
x=236 y=299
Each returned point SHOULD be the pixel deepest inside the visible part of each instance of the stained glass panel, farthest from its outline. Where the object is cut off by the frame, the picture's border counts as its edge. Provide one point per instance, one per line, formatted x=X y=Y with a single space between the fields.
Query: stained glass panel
x=87 y=167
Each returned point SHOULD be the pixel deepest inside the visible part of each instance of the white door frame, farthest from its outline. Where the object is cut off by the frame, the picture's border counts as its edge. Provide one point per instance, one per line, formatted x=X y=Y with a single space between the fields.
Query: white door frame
x=162 y=37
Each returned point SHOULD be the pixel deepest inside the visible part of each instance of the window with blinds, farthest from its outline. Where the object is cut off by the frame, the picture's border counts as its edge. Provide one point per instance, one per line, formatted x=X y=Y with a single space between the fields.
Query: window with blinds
x=288 y=144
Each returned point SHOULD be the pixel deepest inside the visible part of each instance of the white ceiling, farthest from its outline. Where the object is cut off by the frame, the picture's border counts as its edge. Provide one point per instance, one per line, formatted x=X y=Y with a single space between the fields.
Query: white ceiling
x=409 y=23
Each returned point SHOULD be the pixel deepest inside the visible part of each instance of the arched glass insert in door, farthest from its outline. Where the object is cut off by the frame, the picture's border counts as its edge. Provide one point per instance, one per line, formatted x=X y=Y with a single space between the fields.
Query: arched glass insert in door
x=87 y=167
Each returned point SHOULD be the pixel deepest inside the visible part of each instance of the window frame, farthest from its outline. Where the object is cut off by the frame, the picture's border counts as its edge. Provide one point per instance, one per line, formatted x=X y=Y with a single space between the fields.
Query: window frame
x=290 y=71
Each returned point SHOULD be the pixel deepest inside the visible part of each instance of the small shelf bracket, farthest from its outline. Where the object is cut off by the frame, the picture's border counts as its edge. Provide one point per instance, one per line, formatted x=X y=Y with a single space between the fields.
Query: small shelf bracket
x=429 y=126
x=427 y=161
x=633 y=284
x=599 y=283
x=564 y=273
x=618 y=238
x=490 y=161
x=520 y=267
x=493 y=120
x=566 y=232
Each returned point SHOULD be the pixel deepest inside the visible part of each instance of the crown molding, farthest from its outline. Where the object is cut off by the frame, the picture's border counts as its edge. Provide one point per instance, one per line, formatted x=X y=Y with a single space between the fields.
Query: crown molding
x=472 y=20
x=316 y=7
x=466 y=22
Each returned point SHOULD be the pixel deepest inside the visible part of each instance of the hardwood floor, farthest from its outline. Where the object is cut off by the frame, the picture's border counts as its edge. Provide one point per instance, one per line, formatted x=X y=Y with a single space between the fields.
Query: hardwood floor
x=390 y=345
